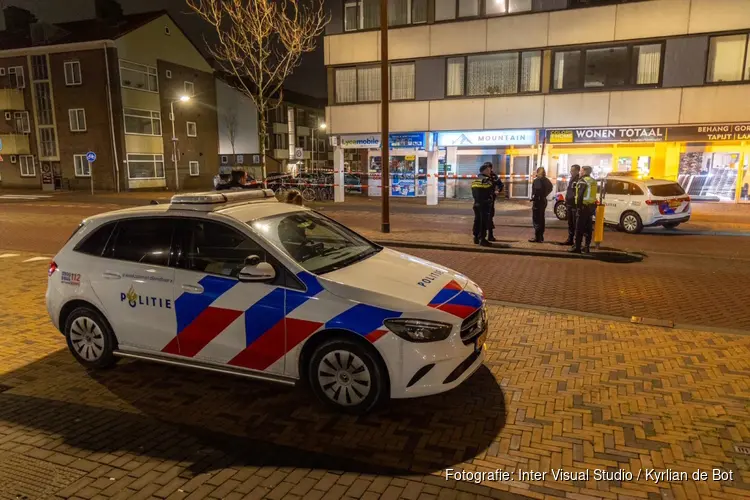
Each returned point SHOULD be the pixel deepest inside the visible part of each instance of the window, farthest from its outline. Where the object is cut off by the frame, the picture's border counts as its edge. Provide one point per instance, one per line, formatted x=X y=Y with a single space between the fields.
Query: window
x=26 y=166
x=362 y=84
x=94 y=243
x=224 y=159
x=138 y=76
x=72 y=73
x=728 y=59
x=365 y=14
x=607 y=67
x=494 y=74
x=142 y=240
x=468 y=8
x=168 y=74
x=167 y=31
x=195 y=168
x=278 y=141
x=617 y=188
x=77 y=119
x=23 y=125
x=81 y=165
x=301 y=142
x=17 y=78
x=142 y=122
x=211 y=247
x=672 y=189
x=190 y=89
x=403 y=12
x=48 y=142
x=145 y=166
x=44 y=103
x=500 y=7
x=445 y=10
x=402 y=81
x=192 y=129
x=635 y=190
x=351 y=16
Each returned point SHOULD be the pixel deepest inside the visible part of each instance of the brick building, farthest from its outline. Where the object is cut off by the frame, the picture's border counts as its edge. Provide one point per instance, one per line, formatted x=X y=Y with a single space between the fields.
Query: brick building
x=105 y=85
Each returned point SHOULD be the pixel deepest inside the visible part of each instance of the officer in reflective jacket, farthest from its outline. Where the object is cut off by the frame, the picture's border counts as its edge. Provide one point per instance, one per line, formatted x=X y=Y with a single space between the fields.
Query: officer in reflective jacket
x=585 y=201
x=570 y=204
x=482 y=189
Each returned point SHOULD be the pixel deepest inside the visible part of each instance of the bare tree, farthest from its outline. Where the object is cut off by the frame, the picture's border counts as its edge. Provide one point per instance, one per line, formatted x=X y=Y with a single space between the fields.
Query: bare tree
x=260 y=44
x=230 y=123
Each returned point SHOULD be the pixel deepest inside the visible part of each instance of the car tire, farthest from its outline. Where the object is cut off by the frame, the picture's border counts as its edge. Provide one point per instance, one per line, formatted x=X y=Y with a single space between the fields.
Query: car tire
x=348 y=377
x=671 y=225
x=561 y=211
x=90 y=338
x=631 y=223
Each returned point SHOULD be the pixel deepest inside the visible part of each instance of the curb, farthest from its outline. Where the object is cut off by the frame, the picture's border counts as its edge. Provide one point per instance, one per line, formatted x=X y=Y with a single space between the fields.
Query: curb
x=606 y=255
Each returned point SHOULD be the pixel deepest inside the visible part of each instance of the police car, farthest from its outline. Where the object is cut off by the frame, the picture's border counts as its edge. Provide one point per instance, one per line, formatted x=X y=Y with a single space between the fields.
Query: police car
x=239 y=283
x=632 y=203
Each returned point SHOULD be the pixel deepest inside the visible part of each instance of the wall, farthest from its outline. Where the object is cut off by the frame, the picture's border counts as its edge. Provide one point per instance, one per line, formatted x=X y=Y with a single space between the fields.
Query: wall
x=235 y=105
x=724 y=103
x=9 y=172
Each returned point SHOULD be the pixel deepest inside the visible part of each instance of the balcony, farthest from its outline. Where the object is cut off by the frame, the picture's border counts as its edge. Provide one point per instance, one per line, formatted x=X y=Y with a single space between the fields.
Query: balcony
x=280 y=128
x=14 y=144
x=11 y=99
x=303 y=131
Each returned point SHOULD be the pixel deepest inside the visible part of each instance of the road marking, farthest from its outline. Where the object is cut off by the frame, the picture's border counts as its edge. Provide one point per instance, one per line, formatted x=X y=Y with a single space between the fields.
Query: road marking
x=6 y=255
x=23 y=196
x=34 y=259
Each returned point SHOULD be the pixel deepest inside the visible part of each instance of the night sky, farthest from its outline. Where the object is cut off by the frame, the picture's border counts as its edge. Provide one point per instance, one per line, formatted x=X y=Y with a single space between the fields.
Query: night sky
x=308 y=79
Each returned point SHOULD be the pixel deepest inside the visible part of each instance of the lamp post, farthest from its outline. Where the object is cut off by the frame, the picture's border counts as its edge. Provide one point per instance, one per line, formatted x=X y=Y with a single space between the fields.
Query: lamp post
x=183 y=98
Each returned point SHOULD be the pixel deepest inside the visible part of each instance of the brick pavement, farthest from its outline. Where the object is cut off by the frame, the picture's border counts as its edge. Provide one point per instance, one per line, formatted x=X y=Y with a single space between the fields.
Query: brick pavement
x=558 y=391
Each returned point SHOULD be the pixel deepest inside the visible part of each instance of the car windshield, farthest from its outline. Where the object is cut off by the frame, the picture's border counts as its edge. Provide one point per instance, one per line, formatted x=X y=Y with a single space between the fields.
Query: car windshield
x=317 y=243
x=672 y=189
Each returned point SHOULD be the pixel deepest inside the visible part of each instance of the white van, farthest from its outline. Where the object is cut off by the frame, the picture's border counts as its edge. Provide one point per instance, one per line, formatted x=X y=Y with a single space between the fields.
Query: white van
x=238 y=283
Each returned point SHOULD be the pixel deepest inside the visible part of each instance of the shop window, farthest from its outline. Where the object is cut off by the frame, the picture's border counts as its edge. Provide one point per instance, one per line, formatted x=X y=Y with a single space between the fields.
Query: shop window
x=728 y=59
x=362 y=84
x=607 y=67
x=500 y=7
x=494 y=74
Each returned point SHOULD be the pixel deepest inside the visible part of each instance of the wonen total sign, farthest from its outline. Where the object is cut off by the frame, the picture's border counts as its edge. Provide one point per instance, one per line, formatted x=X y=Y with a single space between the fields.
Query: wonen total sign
x=487 y=138
x=606 y=135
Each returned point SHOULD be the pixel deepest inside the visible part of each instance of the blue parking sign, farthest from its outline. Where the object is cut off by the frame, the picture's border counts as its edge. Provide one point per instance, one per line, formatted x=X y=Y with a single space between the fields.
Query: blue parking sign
x=91 y=156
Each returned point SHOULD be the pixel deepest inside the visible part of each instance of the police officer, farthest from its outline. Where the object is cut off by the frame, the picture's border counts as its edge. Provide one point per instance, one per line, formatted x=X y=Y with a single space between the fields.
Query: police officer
x=482 y=189
x=540 y=189
x=497 y=187
x=585 y=198
x=570 y=203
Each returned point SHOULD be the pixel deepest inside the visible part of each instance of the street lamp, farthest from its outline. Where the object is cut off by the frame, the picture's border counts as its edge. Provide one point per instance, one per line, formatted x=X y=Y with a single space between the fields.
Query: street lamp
x=182 y=98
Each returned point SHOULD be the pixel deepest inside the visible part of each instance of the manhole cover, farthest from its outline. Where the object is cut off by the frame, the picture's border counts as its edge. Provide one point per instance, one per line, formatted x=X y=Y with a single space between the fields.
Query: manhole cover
x=22 y=477
x=742 y=448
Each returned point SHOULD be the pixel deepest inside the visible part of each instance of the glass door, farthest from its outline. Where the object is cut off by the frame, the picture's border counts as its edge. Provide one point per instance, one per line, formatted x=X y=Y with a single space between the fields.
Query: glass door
x=520 y=181
x=744 y=180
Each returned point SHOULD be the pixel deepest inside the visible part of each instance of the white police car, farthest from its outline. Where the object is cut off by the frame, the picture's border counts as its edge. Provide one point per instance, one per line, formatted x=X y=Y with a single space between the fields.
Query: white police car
x=239 y=283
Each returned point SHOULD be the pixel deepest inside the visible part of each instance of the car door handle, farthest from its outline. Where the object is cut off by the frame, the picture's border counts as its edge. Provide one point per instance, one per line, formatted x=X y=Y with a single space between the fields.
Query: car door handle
x=193 y=288
x=111 y=276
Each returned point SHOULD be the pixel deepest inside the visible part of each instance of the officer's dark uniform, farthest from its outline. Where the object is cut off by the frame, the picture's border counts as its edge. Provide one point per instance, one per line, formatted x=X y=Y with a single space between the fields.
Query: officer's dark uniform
x=585 y=195
x=570 y=208
x=482 y=189
x=540 y=189
x=497 y=185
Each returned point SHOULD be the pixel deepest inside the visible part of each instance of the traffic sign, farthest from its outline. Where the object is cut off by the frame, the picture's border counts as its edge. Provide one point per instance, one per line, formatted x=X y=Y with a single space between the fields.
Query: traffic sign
x=299 y=153
x=91 y=157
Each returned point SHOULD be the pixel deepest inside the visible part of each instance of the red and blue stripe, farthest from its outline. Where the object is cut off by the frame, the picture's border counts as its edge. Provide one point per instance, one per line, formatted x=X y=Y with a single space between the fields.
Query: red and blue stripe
x=453 y=299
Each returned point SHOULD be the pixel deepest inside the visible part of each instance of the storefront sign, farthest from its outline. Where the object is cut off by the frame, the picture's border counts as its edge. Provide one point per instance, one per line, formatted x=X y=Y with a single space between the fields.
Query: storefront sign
x=708 y=133
x=487 y=138
x=360 y=141
x=411 y=140
x=606 y=135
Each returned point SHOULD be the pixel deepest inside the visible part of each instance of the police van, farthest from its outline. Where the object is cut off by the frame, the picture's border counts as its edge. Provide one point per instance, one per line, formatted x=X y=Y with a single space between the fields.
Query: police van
x=241 y=284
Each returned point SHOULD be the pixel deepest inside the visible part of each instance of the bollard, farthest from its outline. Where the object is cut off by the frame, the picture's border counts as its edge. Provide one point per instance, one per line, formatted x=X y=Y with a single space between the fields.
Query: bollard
x=599 y=226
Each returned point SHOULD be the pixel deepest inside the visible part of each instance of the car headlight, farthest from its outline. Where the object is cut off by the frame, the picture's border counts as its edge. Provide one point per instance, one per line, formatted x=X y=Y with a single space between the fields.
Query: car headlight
x=419 y=330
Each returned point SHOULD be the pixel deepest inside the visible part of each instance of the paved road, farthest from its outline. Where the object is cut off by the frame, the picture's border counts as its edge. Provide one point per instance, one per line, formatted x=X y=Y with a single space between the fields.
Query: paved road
x=688 y=279
x=557 y=391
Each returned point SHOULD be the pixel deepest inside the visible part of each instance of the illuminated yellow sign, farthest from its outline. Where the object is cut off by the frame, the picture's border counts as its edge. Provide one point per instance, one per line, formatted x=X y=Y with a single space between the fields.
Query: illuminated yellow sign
x=561 y=136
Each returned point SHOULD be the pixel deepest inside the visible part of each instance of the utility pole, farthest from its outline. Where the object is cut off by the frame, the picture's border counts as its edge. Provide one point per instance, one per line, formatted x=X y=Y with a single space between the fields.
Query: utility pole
x=385 y=184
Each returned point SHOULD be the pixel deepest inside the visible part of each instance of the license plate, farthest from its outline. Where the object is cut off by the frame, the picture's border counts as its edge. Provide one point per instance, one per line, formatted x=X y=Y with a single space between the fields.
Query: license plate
x=675 y=204
x=480 y=341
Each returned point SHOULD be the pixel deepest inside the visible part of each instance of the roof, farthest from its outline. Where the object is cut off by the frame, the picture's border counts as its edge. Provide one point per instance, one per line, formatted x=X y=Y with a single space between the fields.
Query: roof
x=87 y=30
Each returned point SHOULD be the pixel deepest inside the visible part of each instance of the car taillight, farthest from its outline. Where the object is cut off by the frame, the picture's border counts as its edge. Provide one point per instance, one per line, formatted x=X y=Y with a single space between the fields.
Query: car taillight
x=52 y=268
x=652 y=202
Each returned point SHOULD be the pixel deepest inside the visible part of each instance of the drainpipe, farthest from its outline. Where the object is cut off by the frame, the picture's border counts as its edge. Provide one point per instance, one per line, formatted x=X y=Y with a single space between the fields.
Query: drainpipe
x=112 y=120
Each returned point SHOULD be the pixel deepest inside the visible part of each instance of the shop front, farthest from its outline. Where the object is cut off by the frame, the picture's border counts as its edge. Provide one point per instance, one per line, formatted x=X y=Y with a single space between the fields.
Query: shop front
x=709 y=161
x=512 y=152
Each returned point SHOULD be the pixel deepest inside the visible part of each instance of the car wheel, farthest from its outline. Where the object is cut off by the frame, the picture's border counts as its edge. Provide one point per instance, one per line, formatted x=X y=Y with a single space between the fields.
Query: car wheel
x=671 y=225
x=348 y=377
x=561 y=211
x=631 y=223
x=90 y=338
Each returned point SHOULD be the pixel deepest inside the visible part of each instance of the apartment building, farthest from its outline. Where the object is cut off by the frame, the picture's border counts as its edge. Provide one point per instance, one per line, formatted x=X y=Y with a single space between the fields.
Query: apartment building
x=106 y=86
x=297 y=134
x=658 y=86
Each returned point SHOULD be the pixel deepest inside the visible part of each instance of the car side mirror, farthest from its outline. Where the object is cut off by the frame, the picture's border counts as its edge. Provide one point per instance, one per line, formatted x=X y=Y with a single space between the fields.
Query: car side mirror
x=262 y=271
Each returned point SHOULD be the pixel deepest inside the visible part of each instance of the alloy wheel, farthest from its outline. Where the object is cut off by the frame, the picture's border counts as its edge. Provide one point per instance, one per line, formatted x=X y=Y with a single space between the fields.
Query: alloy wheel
x=87 y=338
x=630 y=223
x=344 y=378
